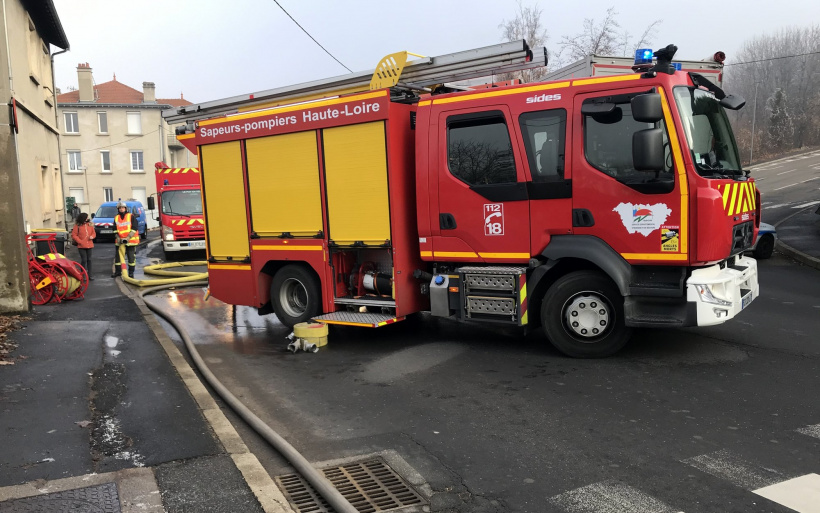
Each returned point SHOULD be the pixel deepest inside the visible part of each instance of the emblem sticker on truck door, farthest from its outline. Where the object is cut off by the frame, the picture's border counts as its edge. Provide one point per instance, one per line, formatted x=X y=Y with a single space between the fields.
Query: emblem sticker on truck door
x=643 y=219
x=493 y=219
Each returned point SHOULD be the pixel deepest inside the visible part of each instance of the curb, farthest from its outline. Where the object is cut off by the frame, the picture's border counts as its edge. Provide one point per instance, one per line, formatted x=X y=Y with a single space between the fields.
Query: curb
x=798 y=255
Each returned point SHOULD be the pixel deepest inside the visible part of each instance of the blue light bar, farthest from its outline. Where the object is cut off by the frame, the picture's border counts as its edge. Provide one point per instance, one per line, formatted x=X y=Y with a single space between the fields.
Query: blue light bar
x=676 y=65
x=643 y=56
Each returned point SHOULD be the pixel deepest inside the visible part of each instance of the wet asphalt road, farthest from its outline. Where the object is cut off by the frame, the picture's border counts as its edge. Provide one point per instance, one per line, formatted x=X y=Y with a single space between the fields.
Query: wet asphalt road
x=497 y=421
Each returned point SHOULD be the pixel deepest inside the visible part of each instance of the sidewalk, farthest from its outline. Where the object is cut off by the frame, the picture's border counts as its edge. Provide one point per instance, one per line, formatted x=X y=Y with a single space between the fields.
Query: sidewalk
x=799 y=237
x=95 y=410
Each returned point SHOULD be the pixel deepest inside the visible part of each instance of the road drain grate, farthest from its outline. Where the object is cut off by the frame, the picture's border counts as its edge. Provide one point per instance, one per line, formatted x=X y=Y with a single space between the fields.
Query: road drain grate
x=369 y=485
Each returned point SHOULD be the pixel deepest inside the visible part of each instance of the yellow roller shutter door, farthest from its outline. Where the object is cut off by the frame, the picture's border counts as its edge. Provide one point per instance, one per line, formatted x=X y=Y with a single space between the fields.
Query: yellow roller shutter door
x=283 y=175
x=224 y=196
x=356 y=177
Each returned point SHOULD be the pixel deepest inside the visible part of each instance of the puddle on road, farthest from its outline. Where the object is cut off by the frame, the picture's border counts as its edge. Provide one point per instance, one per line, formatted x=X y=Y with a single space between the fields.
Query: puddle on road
x=238 y=328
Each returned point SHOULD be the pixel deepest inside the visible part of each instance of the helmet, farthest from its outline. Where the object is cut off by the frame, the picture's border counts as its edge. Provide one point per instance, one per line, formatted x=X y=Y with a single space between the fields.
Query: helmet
x=120 y=204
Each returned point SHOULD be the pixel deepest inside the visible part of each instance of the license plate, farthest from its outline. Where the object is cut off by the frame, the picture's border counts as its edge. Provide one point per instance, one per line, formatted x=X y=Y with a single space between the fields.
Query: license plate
x=747 y=299
x=106 y=232
x=198 y=244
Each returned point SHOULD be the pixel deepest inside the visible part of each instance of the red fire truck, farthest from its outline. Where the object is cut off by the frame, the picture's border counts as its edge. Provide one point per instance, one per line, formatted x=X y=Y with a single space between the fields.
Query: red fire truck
x=587 y=206
x=182 y=226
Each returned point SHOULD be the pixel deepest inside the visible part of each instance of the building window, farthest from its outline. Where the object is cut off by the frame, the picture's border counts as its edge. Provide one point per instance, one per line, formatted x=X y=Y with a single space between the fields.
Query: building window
x=108 y=193
x=78 y=193
x=102 y=121
x=479 y=150
x=134 y=123
x=136 y=162
x=75 y=162
x=105 y=160
x=71 y=125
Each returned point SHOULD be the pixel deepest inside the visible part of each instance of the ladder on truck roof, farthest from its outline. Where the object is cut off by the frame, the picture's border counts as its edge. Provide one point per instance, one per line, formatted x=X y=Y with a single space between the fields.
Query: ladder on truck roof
x=393 y=71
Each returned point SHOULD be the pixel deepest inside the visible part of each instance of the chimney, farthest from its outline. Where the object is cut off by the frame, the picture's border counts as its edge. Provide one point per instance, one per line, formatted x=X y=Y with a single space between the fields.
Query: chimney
x=86 y=82
x=149 y=92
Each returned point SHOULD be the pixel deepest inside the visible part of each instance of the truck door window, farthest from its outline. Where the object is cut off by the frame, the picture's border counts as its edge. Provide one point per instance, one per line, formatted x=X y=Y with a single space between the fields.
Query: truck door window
x=544 y=141
x=479 y=151
x=608 y=148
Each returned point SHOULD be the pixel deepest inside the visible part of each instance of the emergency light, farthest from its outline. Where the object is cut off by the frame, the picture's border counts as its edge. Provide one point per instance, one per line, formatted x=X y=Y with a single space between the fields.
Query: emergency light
x=643 y=56
x=677 y=66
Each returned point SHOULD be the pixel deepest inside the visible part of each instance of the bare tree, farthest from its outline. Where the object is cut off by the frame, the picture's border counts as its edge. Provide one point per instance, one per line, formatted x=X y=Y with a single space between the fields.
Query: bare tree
x=604 y=38
x=789 y=61
x=526 y=25
x=595 y=38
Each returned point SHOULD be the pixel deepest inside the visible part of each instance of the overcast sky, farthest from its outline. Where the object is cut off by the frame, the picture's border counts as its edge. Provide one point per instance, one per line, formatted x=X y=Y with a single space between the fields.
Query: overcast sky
x=212 y=49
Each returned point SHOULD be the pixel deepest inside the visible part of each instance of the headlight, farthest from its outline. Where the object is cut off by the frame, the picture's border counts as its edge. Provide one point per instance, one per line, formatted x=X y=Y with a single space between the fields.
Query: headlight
x=167 y=233
x=706 y=295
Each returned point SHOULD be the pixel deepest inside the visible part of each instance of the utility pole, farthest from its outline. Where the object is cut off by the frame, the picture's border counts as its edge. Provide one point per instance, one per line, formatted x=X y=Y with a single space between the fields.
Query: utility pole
x=754 y=114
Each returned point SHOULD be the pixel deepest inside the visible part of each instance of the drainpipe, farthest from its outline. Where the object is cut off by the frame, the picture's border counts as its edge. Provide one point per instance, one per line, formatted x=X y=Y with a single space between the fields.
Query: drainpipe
x=14 y=133
x=59 y=139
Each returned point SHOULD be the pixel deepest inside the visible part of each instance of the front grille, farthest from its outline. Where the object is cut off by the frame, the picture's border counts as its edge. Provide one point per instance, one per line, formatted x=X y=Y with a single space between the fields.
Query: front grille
x=742 y=237
x=370 y=486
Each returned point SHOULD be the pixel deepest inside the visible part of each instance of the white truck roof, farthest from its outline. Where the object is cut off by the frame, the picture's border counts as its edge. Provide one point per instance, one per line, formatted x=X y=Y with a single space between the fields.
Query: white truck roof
x=602 y=65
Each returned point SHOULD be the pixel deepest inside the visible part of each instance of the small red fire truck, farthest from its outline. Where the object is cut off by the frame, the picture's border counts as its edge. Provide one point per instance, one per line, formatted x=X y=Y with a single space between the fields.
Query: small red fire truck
x=587 y=206
x=182 y=226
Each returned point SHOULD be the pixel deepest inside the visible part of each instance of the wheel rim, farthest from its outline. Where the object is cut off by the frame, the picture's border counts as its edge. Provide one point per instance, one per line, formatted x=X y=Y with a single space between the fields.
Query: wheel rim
x=588 y=316
x=293 y=296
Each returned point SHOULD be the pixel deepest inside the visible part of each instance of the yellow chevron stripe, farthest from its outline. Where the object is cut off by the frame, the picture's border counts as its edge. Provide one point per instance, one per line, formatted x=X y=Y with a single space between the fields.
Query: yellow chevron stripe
x=726 y=189
x=734 y=198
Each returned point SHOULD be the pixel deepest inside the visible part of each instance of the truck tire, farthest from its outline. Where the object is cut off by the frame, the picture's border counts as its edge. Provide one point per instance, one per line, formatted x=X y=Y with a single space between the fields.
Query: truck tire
x=583 y=315
x=765 y=247
x=295 y=295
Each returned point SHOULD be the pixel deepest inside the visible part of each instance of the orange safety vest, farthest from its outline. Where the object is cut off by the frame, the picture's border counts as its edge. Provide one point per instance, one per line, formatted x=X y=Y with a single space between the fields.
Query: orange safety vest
x=124 y=228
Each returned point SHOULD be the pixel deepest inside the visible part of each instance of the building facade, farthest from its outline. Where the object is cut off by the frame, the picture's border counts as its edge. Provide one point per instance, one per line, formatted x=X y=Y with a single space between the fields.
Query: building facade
x=31 y=190
x=111 y=136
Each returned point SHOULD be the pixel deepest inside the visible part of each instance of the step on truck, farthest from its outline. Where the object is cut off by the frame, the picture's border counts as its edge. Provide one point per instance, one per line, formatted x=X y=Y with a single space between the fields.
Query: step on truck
x=179 y=198
x=585 y=206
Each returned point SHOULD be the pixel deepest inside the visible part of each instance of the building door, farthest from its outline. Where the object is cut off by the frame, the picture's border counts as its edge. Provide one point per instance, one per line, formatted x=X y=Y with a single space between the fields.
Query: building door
x=140 y=194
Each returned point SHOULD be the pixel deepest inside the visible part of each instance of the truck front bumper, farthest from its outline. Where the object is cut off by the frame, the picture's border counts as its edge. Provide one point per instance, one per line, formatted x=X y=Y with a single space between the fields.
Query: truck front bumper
x=183 y=245
x=720 y=294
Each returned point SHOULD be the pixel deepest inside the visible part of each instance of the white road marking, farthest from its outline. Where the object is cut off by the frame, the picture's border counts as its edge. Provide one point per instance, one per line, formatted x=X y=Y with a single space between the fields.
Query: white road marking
x=723 y=464
x=609 y=497
x=810 y=179
x=804 y=205
x=801 y=494
x=786 y=172
x=778 y=205
x=811 y=430
x=786 y=186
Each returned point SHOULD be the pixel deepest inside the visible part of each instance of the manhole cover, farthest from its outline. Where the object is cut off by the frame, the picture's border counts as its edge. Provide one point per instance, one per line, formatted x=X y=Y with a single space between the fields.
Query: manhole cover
x=94 y=499
x=369 y=486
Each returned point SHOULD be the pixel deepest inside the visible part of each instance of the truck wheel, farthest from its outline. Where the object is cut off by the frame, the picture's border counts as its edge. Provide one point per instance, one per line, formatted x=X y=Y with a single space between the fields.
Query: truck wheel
x=295 y=294
x=765 y=247
x=583 y=315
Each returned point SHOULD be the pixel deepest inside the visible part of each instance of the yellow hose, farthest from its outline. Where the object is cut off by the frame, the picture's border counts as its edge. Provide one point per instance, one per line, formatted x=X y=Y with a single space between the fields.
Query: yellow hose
x=157 y=270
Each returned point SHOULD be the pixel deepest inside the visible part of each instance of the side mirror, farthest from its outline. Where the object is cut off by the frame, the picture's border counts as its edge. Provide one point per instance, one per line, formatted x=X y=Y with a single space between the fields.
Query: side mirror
x=646 y=108
x=151 y=204
x=733 y=102
x=647 y=150
x=93 y=216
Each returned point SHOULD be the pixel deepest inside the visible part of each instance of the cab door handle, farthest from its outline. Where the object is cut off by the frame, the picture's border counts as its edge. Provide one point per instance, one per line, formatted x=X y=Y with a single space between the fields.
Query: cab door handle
x=446 y=222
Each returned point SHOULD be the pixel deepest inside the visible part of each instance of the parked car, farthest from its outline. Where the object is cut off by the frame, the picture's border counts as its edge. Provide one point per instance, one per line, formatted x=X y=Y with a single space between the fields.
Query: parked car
x=764 y=245
x=103 y=219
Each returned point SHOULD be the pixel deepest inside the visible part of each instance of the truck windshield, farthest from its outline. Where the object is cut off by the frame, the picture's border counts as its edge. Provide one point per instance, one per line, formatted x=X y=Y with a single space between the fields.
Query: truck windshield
x=708 y=133
x=182 y=203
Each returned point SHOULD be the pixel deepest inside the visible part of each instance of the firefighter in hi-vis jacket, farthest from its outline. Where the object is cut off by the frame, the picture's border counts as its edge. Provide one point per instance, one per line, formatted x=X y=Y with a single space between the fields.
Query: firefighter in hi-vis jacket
x=128 y=235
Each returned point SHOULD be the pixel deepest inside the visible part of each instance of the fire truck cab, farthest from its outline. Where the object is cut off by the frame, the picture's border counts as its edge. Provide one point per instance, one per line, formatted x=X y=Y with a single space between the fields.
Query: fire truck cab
x=587 y=206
